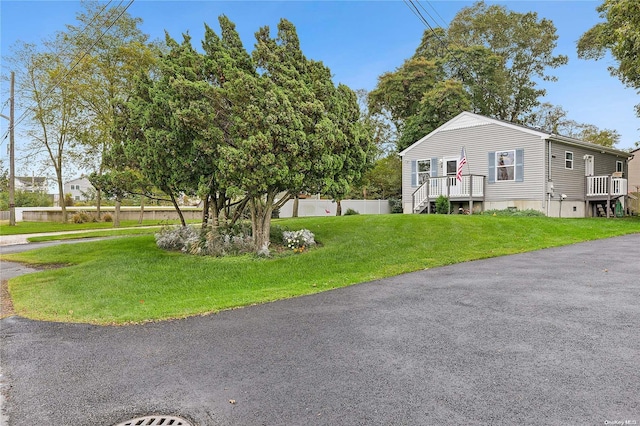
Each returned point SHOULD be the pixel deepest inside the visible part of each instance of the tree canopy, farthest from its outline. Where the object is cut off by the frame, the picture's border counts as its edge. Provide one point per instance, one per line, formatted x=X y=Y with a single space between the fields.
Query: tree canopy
x=255 y=128
x=619 y=35
x=489 y=60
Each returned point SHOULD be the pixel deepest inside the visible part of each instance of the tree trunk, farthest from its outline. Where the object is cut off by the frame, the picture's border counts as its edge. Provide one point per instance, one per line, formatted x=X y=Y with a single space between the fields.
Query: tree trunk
x=62 y=202
x=175 y=205
x=205 y=211
x=116 y=218
x=261 y=223
x=338 y=208
x=141 y=218
x=98 y=202
x=295 y=207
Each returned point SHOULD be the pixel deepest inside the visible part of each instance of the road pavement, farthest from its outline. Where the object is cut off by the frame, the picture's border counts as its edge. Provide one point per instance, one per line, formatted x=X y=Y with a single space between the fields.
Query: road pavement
x=548 y=337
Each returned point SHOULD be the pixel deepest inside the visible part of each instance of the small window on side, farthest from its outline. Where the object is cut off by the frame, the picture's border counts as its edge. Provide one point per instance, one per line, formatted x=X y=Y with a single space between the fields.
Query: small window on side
x=619 y=166
x=568 y=160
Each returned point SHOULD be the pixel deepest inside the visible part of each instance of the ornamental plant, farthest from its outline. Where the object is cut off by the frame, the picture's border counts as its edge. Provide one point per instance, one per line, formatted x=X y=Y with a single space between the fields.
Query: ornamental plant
x=298 y=241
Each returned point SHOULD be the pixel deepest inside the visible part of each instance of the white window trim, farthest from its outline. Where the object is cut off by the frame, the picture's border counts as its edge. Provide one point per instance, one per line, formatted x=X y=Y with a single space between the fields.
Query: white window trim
x=619 y=166
x=418 y=172
x=566 y=160
x=498 y=167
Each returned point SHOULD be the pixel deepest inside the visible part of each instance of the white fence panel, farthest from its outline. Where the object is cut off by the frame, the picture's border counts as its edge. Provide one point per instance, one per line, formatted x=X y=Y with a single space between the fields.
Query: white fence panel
x=314 y=207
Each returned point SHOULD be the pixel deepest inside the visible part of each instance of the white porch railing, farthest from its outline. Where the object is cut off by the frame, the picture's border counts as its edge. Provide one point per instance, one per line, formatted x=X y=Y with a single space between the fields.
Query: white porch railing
x=471 y=186
x=601 y=186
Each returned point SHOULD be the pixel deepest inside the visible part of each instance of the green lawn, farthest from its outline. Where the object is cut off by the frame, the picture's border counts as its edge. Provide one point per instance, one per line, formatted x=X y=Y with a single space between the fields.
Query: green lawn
x=39 y=227
x=130 y=280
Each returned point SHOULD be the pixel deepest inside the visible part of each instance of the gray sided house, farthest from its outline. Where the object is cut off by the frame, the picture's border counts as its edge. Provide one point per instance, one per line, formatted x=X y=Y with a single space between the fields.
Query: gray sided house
x=512 y=167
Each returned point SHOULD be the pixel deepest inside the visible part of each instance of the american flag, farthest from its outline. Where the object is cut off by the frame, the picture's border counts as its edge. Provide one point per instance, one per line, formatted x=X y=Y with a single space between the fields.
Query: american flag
x=461 y=162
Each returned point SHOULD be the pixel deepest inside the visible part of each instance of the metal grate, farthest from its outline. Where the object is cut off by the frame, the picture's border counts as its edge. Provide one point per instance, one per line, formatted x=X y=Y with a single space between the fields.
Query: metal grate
x=156 y=421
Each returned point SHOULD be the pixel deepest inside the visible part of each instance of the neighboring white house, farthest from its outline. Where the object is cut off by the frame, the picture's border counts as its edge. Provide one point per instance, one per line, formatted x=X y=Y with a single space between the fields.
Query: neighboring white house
x=31 y=184
x=512 y=166
x=80 y=189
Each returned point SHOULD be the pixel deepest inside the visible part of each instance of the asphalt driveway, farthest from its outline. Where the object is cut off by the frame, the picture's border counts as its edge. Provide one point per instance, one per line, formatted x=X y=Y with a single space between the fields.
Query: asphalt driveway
x=549 y=337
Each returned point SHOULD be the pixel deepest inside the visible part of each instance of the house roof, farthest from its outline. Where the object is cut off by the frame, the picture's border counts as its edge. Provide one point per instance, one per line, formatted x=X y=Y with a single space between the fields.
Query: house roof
x=39 y=180
x=79 y=179
x=468 y=119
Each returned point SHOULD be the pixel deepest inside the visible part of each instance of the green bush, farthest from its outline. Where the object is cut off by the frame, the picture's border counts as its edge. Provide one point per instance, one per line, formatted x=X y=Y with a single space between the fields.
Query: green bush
x=350 y=212
x=276 y=234
x=107 y=217
x=26 y=199
x=395 y=205
x=82 y=217
x=442 y=205
x=514 y=212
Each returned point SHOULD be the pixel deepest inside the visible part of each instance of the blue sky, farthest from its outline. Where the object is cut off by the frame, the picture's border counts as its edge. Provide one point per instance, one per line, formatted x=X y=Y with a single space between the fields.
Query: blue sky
x=358 y=41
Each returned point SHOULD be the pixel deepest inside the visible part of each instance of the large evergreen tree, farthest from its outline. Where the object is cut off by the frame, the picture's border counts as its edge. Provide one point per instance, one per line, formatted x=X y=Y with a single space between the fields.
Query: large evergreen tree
x=254 y=128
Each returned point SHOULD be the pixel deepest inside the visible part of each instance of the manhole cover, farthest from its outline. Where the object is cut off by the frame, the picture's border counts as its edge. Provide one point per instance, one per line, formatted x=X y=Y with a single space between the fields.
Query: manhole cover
x=156 y=421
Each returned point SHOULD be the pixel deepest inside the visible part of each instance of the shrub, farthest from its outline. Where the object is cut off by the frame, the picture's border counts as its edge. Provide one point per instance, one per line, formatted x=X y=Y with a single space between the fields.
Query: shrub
x=82 y=217
x=107 y=217
x=220 y=241
x=395 y=205
x=226 y=240
x=68 y=200
x=350 y=212
x=298 y=241
x=513 y=212
x=176 y=238
x=442 y=205
x=275 y=234
x=26 y=199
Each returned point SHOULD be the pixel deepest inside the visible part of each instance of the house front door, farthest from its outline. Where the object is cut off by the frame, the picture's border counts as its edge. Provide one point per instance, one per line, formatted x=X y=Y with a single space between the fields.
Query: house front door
x=450 y=169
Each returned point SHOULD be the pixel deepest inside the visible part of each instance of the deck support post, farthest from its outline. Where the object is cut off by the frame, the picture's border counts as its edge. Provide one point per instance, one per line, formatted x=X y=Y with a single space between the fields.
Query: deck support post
x=470 y=194
x=609 y=195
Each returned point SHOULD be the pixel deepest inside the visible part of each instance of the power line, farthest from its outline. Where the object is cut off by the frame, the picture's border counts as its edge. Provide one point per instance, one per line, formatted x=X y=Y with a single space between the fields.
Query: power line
x=79 y=33
x=463 y=67
x=444 y=24
x=77 y=62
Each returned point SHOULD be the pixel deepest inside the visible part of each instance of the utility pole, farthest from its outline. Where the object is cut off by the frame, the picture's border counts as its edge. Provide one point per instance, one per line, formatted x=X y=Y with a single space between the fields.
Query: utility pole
x=12 y=173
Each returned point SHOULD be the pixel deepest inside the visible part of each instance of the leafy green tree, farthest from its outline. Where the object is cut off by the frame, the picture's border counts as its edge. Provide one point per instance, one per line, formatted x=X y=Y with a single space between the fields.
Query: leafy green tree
x=379 y=125
x=46 y=80
x=118 y=52
x=4 y=177
x=523 y=42
x=488 y=60
x=439 y=105
x=605 y=137
x=620 y=35
x=401 y=92
x=26 y=199
x=382 y=181
x=118 y=184
x=554 y=119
